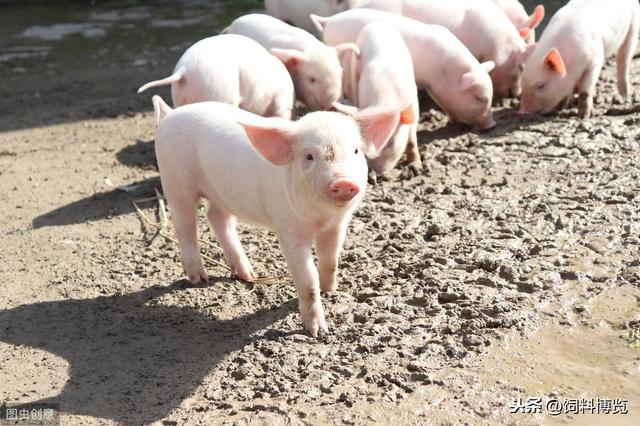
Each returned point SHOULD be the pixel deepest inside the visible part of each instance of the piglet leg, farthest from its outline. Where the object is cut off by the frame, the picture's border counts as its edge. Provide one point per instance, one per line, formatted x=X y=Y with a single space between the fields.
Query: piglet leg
x=328 y=246
x=587 y=86
x=624 y=57
x=184 y=217
x=224 y=226
x=297 y=253
x=413 y=155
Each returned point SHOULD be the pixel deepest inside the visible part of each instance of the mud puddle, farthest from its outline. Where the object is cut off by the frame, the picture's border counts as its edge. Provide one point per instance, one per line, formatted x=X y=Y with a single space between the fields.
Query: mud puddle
x=596 y=359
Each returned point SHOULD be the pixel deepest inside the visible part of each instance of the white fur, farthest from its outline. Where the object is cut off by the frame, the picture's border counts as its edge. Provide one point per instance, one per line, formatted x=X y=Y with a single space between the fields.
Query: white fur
x=586 y=33
x=297 y=11
x=384 y=76
x=236 y=70
x=441 y=62
x=210 y=150
x=318 y=75
x=480 y=25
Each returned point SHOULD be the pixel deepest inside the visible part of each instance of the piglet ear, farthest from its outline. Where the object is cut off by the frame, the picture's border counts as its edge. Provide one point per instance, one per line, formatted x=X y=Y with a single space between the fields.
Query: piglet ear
x=349 y=110
x=378 y=124
x=467 y=81
x=407 y=116
x=554 y=62
x=524 y=32
x=536 y=17
x=488 y=66
x=347 y=47
x=161 y=108
x=273 y=138
x=291 y=58
x=318 y=21
x=528 y=51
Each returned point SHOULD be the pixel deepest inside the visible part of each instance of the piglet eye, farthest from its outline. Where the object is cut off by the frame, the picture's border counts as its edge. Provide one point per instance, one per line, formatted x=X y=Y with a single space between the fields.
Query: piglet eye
x=357 y=151
x=309 y=157
x=312 y=79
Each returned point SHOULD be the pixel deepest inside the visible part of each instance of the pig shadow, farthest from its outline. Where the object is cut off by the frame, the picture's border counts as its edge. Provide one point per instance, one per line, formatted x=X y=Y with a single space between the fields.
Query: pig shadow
x=142 y=154
x=131 y=358
x=98 y=206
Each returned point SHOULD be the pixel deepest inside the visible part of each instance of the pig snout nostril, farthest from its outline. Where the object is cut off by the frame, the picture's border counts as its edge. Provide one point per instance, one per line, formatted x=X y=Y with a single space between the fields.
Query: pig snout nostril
x=343 y=191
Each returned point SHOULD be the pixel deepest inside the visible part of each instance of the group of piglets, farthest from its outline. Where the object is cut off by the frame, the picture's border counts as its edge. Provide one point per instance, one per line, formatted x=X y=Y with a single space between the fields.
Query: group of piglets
x=231 y=138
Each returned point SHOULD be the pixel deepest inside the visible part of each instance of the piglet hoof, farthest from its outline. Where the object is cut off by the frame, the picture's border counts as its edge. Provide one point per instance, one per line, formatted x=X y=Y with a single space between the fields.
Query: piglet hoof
x=585 y=104
x=198 y=276
x=328 y=286
x=315 y=325
x=415 y=168
x=584 y=112
x=372 y=177
x=245 y=273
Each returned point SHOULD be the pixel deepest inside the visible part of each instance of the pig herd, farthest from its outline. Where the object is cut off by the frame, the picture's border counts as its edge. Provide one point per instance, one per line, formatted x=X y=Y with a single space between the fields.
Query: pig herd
x=231 y=138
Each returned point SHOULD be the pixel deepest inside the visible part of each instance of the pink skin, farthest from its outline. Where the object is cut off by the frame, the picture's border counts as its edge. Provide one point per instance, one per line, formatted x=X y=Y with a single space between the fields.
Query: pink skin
x=520 y=19
x=296 y=12
x=383 y=75
x=480 y=25
x=314 y=67
x=572 y=50
x=232 y=69
x=307 y=178
x=456 y=81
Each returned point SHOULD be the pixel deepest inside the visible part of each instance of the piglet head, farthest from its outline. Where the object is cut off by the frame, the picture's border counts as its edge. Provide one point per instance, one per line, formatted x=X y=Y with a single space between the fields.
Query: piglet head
x=324 y=152
x=316 y=73
x=507 y=77
x=475 y=93
x=544 y=85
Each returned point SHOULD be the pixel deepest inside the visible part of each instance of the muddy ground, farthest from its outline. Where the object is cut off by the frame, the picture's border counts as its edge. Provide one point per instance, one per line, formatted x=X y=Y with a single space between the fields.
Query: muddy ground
x=510 y=268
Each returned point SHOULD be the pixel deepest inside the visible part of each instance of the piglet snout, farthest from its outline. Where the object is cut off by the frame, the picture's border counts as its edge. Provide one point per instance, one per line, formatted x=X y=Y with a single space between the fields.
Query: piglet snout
x=343 y=191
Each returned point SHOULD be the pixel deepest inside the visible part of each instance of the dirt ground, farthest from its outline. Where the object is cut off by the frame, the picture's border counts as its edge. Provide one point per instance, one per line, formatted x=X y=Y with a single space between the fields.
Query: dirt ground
x=509 y=269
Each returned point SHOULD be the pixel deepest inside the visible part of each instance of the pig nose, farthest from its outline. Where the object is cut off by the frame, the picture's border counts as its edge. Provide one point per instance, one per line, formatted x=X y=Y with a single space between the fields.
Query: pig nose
x=343 y=191
x=487 y=123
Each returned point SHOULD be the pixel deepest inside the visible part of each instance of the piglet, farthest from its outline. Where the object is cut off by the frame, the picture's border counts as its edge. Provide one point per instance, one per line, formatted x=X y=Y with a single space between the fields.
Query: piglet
x=314 y=66
x=296 y=12
x=232 y=69
x=304 y=179
x=480 y=25
x=442 y=64
x=572 y=50
x=383 y=75
x=520 y=19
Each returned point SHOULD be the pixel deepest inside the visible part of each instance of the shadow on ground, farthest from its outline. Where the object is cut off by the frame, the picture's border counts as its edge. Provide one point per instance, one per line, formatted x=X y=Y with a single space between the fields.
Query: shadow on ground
x=98 y=206
x=132 y=359
x=142 y=154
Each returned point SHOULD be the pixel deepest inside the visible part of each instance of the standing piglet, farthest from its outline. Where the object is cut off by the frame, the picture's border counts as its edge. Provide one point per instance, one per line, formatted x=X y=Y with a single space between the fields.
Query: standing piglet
x=572 y=50
x=520 y=19
x=297 y=12
x=304 y=179
x=314 y=66
x=383 y=75
x=481 y=26
x=232 y=69
x=442 y=64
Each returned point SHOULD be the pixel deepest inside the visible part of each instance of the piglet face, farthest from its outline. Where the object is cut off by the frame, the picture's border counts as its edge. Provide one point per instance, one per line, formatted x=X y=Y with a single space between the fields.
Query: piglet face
x=329 y=159
x=474 y=106
x=320 y=80
x=317 y=73
x=544 y=85
x=324 y=152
